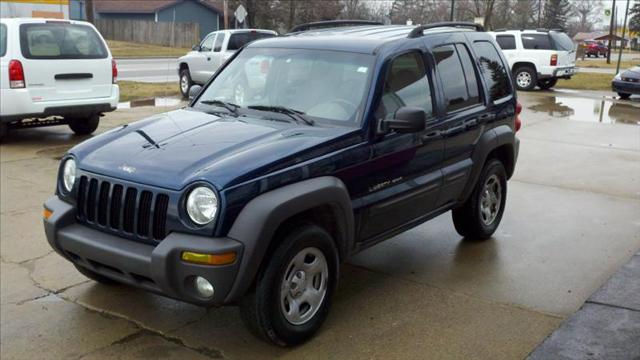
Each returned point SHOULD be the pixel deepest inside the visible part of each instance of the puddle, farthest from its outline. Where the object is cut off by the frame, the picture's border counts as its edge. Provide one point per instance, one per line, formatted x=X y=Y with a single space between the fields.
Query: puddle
x=590 y=110
x=159 y=102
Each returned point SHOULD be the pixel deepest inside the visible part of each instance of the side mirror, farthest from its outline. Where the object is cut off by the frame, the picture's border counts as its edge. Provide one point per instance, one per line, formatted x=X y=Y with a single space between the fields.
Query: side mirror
x=406 y=120
x=194 y=91
x=196 y=47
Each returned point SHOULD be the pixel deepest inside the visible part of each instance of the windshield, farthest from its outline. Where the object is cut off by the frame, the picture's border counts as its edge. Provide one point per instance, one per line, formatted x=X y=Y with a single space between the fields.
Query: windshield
x=562 y=41
x=327 y=86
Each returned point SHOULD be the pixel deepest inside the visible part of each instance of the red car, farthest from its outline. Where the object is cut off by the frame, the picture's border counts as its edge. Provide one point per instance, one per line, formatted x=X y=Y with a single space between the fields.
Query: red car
x=595 y=48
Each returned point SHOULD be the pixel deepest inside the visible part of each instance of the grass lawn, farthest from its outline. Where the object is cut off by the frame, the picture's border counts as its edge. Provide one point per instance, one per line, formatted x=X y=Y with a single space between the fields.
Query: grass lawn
x=602 y=63
x=586 y=81
x=123 y=49
x=132 y=90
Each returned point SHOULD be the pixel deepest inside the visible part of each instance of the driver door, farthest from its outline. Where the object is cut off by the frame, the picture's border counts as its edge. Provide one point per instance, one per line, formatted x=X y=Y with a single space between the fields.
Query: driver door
x=200 y=62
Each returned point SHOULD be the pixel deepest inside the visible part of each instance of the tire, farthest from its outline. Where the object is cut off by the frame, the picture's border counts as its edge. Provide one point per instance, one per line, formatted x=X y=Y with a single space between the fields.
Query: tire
x=469 y=219
x=525 y=78
x=185 y=83
x=84 y=125
x=624 y=96
x=95 y=276
x=4 y=129
x=547 y=84
x=263 y=309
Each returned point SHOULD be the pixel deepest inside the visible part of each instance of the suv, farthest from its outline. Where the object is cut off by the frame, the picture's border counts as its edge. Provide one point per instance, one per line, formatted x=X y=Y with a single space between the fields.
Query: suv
x=202 y=62
x=595 y=48
x=359 y=133
x=55 y=68
x=538 y=57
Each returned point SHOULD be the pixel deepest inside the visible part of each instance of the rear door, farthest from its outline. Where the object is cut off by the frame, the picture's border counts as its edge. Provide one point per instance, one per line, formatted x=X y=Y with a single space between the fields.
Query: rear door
x=65 y=61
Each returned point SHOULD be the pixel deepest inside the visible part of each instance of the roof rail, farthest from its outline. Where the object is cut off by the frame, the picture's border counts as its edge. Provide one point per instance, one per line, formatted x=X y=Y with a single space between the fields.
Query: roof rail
x=419 y=30
x=547 y=30
x=331 y=23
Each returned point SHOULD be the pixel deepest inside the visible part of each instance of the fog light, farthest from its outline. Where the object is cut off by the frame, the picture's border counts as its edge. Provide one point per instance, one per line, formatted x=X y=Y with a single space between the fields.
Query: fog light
x=204 y=287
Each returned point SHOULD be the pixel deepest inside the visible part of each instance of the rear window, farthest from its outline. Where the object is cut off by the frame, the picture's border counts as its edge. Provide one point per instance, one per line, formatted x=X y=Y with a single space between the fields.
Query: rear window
x=506 y=42
x=562 y=41
x=60 y=41
x=239 y=40
x=3 y=39
x=537 y=42
x=495 y=72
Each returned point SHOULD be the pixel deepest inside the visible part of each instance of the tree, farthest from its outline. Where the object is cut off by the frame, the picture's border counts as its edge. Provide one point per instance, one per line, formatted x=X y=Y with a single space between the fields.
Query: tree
x=524 y=14
x=586 y=15
x=556 y=13
x=634 y=18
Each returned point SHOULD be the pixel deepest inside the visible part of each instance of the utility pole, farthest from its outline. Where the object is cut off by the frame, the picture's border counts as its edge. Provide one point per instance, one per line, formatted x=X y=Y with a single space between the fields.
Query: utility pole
x=613 y=16
x=624 y=27
x=453 y=5
x=539 y=11
x=226 y=14
x=88 y=9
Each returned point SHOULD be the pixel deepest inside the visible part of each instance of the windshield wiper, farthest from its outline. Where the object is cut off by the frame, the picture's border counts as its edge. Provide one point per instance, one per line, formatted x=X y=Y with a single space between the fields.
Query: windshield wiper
x=233 y=108
x=296 y=115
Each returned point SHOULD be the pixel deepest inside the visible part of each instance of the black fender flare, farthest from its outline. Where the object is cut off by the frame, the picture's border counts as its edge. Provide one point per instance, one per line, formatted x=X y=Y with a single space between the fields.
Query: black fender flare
x=260 y=218
x=489 y=141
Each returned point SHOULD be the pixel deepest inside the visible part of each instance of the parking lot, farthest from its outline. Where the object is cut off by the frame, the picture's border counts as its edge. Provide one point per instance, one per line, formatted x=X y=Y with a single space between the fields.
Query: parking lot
x=573 y=219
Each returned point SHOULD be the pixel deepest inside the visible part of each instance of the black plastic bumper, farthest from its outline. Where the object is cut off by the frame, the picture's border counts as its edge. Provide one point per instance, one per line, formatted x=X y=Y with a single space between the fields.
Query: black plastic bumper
x=76 y=110
x=159 y=269
x=625 y=87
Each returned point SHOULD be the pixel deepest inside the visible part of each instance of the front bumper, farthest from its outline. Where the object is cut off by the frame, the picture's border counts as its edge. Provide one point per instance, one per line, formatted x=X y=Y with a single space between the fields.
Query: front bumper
x=625 y=87
x=158 y=269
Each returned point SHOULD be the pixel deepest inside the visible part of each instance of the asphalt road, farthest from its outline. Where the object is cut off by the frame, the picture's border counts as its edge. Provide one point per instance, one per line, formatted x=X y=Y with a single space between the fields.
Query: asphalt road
x=571 y=221
x=148 y=70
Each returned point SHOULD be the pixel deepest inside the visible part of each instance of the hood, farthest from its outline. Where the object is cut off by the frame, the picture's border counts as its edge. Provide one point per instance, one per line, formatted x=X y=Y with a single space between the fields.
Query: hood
x=633 y=73
x=174 y=149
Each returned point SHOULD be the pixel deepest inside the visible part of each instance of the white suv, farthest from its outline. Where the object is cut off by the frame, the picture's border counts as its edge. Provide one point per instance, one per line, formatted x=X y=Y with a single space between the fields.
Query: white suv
x=55 y=69
x=537 y=57
x=202 y=62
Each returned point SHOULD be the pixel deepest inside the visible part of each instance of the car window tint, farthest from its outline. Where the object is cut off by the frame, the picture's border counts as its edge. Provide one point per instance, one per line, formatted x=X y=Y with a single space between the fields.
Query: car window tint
x=506 y=42
x=218 y=44
x=238 y=40
x=562 y=41
x=460 y=88
x=60 y=41
x=495 y=72
x=537 y=42
x=207 y=43
x=406 y=84
x=3 y=39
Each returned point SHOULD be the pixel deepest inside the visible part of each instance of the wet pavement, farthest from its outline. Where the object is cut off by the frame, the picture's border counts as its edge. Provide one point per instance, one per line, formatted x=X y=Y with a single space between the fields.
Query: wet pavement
x=572 y=219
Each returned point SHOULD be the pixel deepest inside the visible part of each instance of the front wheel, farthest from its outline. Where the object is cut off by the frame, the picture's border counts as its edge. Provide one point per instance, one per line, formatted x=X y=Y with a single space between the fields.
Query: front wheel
x=84 y=125
x=547 y=84
x=293 y=293
x=526 y=78
x=479 y=217
x=185 y=83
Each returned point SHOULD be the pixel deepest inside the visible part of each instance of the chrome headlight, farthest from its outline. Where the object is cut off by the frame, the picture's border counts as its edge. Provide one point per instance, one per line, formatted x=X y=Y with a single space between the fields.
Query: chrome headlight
x=69 y=174
x=202 y=205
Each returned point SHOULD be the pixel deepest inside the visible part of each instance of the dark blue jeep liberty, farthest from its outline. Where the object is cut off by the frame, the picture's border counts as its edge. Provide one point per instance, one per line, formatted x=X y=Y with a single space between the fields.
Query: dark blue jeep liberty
x=301 y=151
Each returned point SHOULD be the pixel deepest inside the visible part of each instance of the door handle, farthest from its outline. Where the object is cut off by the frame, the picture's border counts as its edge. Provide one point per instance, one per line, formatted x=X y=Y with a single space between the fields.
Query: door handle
x=208 y=58
x=432 y=135
x=487 y=117
x=470 y=123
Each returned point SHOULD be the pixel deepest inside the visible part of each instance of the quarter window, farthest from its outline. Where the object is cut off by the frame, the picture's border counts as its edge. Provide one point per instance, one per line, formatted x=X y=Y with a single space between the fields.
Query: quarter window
x=495 y=73
x=537 y=42
x=406 y=84
x=458 y=76
x=506 y=42
x=3 y=39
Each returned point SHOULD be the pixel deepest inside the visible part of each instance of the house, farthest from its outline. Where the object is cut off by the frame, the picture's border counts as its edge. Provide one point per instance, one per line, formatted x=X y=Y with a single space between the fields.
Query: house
x=208 y=13
x=602 y=36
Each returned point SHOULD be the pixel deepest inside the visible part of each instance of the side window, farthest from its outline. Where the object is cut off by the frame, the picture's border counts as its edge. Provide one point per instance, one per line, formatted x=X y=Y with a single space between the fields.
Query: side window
x=506 y=42
x=406 y=84
x=457 y=75
x=495 y=73
x=207 y=43
x=536 y=42
x=3 y=39
x=218 y=44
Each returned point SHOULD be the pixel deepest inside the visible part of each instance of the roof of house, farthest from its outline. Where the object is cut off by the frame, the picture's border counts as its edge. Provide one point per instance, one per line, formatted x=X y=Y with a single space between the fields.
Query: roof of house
x=596 y=35
x=147 y=6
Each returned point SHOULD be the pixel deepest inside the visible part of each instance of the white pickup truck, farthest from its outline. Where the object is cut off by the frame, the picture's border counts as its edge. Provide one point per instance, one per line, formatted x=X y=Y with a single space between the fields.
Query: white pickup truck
x=537 y=57
x=197 y=66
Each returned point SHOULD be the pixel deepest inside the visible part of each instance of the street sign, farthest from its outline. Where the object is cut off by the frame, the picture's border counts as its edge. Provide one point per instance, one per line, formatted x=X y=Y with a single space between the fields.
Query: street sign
x=607 y=12
x=240 y=14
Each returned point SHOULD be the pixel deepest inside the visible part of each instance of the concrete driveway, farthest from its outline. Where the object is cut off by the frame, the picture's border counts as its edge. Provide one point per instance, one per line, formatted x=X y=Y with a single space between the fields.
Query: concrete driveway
x=572 y=218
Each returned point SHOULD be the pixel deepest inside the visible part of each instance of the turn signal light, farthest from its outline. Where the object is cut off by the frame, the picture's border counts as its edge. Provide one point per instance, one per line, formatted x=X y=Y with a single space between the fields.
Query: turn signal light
x=16 y=75
x=209 y=259
x=46 y=213
x=114 y=71
x=518 y=111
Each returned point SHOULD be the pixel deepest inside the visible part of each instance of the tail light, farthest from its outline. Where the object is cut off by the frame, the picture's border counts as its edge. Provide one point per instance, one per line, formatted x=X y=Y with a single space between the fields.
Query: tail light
x=518 y=111
x=554 y=60
x=16 y=75
x=114 y=71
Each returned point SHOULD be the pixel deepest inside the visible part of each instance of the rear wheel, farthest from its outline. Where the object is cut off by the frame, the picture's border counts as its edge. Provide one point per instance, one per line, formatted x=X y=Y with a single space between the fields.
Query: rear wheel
x=526 y=78
x=185 y=83
x=95 y=276
x=479 y=217
x=84 y=125
x=293 y=293
x=547 y=84
x=624 y=96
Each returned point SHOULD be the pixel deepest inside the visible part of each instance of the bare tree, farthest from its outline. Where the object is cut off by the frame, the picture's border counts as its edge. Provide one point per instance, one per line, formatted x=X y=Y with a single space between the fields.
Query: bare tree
x=585 y=14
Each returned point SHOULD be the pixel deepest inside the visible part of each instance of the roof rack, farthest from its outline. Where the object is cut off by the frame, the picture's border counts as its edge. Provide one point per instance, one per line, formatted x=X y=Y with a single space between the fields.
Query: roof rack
x=547 y=30
x=419 y=31
x=331 y=23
